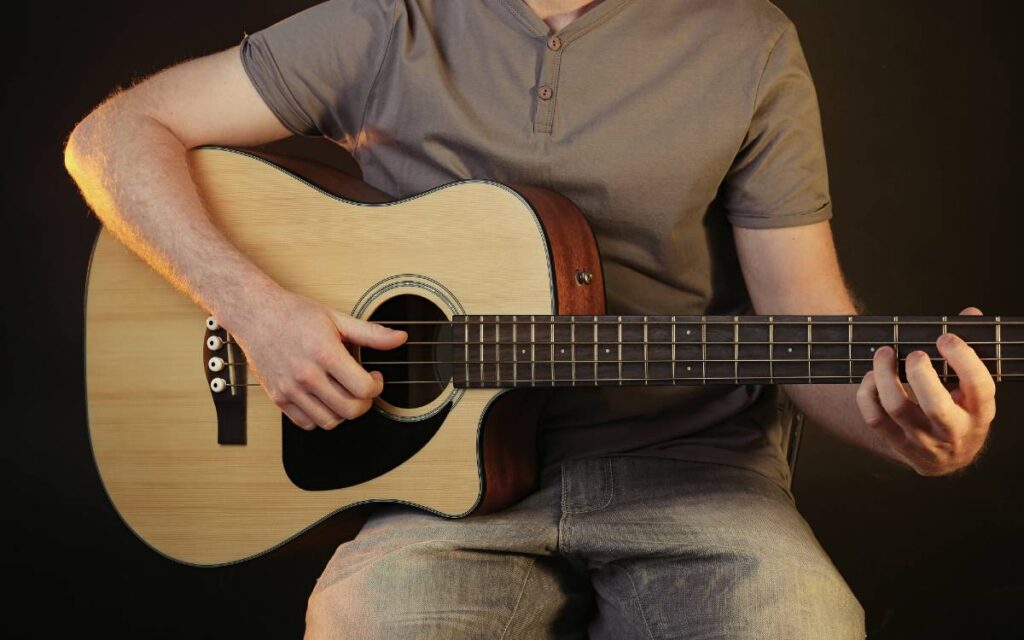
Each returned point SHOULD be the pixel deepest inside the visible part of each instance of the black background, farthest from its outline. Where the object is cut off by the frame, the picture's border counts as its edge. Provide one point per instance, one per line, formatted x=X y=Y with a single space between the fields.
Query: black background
x=919 y=100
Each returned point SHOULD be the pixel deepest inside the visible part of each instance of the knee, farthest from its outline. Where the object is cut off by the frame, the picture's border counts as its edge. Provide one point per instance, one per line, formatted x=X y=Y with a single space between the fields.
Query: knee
x=809 y=600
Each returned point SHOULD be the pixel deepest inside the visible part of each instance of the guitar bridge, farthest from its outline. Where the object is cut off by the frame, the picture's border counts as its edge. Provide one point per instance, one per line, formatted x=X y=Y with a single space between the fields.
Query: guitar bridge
x=226 y=368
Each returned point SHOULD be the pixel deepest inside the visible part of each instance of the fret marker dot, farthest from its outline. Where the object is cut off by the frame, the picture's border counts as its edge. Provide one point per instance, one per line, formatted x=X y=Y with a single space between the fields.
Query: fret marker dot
x=607 y=350
x=688 y=332
x=689 y=368
x=872 y=349
x=790 y=349
x=561 y=350
x=524 y=350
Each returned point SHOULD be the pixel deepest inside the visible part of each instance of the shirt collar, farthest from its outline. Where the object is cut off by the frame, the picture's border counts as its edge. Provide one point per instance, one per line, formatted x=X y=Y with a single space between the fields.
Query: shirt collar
x=584 y=23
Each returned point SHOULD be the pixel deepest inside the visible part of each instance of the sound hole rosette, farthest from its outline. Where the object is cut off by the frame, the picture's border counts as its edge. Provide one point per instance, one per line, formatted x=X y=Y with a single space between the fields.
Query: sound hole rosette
x=419 y=298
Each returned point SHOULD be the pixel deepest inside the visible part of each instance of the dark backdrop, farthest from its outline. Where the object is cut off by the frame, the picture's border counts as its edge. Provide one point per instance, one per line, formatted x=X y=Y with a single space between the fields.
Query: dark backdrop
x=919 y=101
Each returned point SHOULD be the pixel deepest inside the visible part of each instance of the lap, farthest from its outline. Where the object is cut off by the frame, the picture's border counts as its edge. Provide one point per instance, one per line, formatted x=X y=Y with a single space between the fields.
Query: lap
x=673 y=549
x=699 y=550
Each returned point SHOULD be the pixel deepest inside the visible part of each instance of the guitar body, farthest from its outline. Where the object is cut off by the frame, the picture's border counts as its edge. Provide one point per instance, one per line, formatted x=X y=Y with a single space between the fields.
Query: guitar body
x=470 y=247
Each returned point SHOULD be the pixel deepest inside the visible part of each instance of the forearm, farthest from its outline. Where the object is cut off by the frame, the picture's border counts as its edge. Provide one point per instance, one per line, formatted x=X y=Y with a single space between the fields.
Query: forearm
x=834 y=407
x=133 y=173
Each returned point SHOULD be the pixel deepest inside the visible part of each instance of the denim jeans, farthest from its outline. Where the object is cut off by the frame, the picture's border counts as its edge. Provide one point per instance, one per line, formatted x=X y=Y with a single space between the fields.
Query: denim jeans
x=612 y=547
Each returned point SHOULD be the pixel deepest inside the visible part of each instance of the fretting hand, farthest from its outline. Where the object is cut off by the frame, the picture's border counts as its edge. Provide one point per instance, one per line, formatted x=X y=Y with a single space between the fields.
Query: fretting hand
x=934 y=430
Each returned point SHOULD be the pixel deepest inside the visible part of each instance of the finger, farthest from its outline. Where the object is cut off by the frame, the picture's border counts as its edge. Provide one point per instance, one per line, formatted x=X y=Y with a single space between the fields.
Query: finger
x=318 y=411
x=354 y=378
x=977 y=388
x=876 y=417
x=368 y=334
x=893 y=396
x=339 y=400
x=298 y=417
x=873 y=412
x=971 y=311
x=936 y=403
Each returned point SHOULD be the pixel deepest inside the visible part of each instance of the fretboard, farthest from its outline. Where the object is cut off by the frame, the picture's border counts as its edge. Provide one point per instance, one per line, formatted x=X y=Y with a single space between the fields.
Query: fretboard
x=545 y=351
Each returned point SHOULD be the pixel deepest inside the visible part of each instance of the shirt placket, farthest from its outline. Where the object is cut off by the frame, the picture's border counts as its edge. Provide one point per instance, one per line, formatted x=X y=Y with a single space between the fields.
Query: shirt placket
x=546 y=90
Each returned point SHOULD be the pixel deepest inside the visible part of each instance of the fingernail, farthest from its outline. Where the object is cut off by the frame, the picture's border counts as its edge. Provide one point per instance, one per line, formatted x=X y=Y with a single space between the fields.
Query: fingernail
x=948 y=339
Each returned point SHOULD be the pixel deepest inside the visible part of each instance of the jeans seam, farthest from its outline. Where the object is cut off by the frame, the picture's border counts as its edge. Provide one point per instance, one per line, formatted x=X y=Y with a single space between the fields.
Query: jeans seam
x=611 y=492
x=519 y=600
x=639 y=605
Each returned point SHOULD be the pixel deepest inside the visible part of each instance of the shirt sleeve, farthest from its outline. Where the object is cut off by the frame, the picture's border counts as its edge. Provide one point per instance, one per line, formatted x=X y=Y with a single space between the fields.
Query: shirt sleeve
x=779 y=177
x=316 y=68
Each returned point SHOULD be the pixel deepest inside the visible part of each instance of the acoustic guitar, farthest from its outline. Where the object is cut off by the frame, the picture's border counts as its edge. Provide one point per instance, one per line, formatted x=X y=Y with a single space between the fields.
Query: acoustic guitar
x=501 y=290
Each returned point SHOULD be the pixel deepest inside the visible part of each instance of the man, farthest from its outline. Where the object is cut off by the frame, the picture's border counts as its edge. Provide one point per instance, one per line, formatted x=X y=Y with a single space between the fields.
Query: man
x=688 y=132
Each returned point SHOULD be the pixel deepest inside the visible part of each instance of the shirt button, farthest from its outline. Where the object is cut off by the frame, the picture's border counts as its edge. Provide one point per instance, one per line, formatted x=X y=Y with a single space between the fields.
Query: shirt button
x=545 y=92
x=554 y=43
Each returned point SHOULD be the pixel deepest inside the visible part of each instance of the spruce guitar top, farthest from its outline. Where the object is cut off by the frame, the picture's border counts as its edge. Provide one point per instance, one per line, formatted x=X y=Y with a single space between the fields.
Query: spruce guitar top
x=501 y=291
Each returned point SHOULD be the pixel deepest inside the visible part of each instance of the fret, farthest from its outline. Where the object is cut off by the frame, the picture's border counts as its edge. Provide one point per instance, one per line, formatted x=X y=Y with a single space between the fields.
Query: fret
x=620 y=349
x=849 y=346
x=810 y=344
x=544 y=368
x=719 y=349
x=673 y=349
x=583 y=351
x=736 y=349
x=869 y=333
x=689 y=350
x=771 y=348
x=497 y=351
x=515 y=349
x=553 y=376
x=753 y=351
x=919 y=333
x=572 y=347
x=533 y=351
x=981 y=333
x=791 y=354
x=999 y=349
x=563 y=359
x=608 y=365
x=829 y=348
x=945 y=363
x=647 y=376
x=481 y=381
x=597 y=355
x=704 y=349
x=465 y=331
x=522 y=355
x=659 y=348
x=633 y=350
x=900 y=372
x=505 y=352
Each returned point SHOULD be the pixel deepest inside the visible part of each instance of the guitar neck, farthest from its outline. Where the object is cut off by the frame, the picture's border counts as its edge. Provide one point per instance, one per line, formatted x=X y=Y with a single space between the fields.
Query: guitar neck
x=543 y=351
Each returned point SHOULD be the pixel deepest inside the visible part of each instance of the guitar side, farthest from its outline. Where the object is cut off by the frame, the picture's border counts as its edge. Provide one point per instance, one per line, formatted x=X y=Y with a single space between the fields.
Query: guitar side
x=488 y=249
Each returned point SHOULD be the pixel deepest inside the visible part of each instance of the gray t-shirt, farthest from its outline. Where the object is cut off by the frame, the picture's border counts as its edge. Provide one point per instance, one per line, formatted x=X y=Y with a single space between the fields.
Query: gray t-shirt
x=666 y=122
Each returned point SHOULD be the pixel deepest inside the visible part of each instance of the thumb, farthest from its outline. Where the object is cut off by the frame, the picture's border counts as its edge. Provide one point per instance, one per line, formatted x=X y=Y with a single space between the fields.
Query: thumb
x=368 y=334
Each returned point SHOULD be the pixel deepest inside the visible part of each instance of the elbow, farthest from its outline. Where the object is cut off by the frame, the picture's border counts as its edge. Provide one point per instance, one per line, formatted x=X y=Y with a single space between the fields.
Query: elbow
x=78 y=143
x=88 y=136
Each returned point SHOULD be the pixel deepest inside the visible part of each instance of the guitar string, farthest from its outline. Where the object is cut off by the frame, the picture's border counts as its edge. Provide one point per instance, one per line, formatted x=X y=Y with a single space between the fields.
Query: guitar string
x=593 y=382
x=726 y=320
x=677 y=361
x=616 y=361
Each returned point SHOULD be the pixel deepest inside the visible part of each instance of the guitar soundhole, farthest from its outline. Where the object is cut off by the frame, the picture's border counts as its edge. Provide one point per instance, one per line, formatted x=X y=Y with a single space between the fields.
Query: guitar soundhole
x=417 y=372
